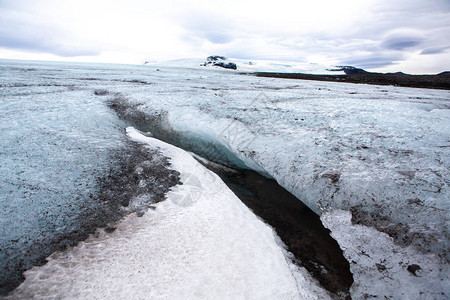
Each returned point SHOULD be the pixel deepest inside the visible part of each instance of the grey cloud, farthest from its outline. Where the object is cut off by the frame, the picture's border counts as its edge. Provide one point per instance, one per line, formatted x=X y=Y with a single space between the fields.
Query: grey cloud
x=391 y=31
x=396 y=29
x=405 y=25
x=215 y=28
x=435 y=50
x=375 y=60
x=345 y=50
x=43 y=45
x=18 y=31
x=218 y=37
x=369 y=63
x=400 y=44
x=402 y=41
x=415 y=7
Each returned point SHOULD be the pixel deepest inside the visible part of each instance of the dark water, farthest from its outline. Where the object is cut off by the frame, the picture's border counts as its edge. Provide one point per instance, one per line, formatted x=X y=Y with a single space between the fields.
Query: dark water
x=297 y=226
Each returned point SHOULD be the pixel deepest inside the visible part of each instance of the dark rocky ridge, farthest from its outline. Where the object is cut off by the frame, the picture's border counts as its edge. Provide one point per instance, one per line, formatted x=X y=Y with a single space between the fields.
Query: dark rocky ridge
x=439 y=81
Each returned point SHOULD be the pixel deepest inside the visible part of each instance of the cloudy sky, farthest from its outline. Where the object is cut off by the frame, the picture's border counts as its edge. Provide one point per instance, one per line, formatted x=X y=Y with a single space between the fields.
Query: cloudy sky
x=379 y=35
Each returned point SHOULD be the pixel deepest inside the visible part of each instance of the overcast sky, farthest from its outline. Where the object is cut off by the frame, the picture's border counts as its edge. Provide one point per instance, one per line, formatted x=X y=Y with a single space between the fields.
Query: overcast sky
x=380 y=35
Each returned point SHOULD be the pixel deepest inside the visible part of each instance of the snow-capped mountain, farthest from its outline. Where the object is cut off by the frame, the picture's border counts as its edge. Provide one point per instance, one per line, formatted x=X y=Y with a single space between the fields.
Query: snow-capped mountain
x=246 y=65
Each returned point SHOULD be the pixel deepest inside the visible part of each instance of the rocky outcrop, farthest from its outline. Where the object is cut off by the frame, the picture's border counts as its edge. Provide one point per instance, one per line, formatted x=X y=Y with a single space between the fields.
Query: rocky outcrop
x=226 y=65
x=219 y=61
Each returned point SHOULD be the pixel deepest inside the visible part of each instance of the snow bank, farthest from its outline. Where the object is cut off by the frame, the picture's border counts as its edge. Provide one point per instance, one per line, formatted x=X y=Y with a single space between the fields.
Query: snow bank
x=201 y=243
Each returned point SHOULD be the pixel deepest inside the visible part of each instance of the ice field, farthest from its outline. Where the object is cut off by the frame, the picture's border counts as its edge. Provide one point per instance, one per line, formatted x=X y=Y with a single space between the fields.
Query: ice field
x=372 y=161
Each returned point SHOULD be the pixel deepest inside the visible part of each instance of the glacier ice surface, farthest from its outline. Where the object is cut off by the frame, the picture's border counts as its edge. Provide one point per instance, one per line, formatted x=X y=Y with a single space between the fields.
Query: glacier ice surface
x=201 y=243
x=378 y=152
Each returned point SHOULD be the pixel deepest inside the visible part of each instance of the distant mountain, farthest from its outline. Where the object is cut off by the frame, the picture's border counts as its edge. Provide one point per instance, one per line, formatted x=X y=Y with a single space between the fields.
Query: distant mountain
x=248 y=66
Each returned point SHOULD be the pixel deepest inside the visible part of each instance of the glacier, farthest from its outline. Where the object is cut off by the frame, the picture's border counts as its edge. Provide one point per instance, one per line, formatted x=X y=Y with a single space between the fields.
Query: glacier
x=372 y=161
x=200 y=243
x=379 y=152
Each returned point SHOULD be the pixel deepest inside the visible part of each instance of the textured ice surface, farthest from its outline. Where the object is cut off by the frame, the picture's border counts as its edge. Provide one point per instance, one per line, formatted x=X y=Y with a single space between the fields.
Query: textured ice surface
x=380 y=152
x=59 y=157
x=56 y=141
x=382 y=269
x=201 y=243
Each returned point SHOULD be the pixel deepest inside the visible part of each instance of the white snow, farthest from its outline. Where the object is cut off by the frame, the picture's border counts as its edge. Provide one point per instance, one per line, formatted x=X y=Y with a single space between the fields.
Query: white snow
x=253 y=65
x=200 y=243
x=260 y=65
